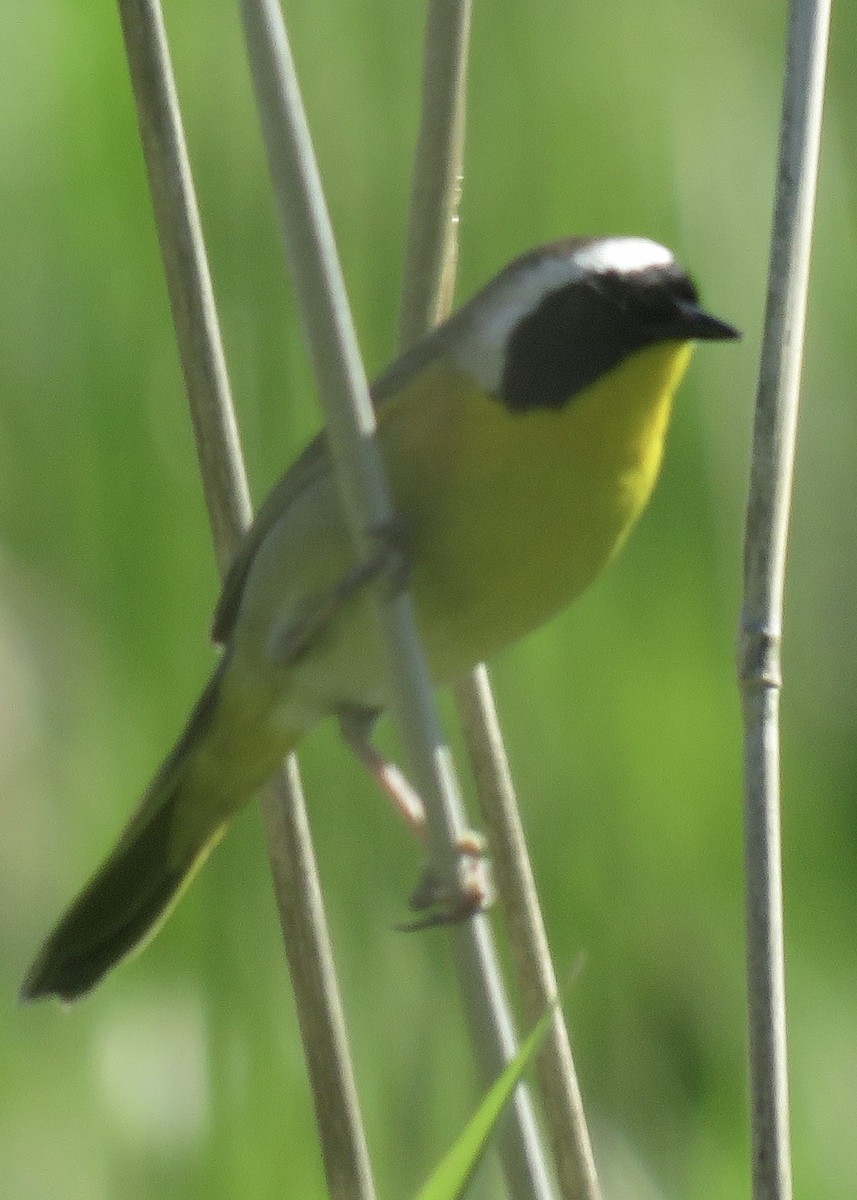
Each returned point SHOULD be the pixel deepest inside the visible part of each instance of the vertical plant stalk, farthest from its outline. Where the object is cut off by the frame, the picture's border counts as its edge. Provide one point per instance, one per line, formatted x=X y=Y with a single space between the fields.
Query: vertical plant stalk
x=764 y=572
x=290 y=852
x=227 y=496
x=427 y=288
x=320 y=293
x=431 y=250
x=564 y=1114
x=343 y=391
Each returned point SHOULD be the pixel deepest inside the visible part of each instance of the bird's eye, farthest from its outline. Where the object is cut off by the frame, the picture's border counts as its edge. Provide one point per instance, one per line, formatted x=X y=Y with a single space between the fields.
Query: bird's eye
x=658 y=300
x=682 y=288
x=649 y=297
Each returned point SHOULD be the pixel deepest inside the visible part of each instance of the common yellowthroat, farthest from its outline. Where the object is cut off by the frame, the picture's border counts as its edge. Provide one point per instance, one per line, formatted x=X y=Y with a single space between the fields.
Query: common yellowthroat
x=522 y=439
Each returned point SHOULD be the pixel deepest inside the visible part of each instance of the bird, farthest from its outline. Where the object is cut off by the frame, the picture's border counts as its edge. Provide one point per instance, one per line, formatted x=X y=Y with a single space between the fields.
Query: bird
x=521 y=439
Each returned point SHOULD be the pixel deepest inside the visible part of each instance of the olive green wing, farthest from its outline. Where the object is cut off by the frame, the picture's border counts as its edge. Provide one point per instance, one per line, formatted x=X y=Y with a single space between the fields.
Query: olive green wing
x=314 y=461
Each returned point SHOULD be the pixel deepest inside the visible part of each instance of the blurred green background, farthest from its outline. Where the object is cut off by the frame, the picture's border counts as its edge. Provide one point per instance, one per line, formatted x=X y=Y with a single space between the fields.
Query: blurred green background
x=183 y=1076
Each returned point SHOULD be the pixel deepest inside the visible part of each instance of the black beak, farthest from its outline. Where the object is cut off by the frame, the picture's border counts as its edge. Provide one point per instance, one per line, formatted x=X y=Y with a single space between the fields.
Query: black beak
x=703 y=327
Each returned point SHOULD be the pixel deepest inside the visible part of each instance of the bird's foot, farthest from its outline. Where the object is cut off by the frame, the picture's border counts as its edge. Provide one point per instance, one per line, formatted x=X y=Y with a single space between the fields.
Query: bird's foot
x=440 y=902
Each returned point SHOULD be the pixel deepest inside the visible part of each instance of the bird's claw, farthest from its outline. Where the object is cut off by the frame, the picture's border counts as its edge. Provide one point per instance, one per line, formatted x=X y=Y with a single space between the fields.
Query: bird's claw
x=442 y=903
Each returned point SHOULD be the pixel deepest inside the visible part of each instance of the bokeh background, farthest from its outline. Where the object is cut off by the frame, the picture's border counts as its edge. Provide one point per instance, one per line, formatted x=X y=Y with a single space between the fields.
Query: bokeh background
x=182 y=1076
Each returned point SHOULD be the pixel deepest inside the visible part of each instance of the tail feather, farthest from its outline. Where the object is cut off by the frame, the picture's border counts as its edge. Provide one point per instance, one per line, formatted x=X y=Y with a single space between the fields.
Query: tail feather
x=135 y=889
x=117 y=912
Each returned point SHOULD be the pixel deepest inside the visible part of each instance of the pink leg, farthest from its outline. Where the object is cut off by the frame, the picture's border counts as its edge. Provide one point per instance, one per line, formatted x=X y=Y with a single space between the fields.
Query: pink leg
x=356 y=726
x=473 y=891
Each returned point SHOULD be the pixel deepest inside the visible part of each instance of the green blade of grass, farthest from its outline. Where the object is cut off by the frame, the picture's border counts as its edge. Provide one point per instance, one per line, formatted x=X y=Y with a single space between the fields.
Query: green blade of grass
x=450 y=1178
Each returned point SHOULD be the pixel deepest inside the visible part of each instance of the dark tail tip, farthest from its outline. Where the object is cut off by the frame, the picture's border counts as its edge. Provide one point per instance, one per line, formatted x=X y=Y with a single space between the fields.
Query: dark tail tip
x=125 y=902
x=111 y=916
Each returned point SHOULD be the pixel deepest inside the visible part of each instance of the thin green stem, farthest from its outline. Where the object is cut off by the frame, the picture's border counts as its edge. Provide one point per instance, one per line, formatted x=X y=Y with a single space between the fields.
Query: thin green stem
x=427 y=288
x=564 y=1114
x=349 y=415
x=764 y=573
x=290 y=850
x=431 y=252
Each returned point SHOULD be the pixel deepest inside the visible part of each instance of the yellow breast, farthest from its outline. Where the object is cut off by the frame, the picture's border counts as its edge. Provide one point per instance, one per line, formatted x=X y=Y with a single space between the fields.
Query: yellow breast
x=512 y=515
